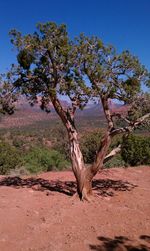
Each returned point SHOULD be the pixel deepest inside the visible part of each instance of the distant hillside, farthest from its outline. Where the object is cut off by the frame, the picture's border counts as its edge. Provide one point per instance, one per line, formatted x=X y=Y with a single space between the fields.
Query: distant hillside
x=27 y=115
x=93 y=110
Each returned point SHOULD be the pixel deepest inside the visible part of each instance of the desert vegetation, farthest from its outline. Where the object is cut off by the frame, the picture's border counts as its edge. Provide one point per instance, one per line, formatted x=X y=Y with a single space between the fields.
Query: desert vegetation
x=26 y=152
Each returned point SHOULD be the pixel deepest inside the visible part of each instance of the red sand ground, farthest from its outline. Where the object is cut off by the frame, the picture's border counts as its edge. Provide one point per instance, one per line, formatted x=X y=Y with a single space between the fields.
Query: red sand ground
x=39 y=214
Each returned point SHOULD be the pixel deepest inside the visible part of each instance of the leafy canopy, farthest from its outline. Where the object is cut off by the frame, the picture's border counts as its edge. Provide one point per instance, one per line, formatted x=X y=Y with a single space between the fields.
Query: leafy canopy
x=50 y=65
x=118 y=75
x=47 y=65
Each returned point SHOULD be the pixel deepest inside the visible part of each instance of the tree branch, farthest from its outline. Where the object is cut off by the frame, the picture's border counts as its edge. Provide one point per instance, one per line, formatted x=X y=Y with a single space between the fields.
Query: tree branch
x=122 y=130
x=131 y=127
x=140 y=120
x=112 y=153
x=107 y=112
x=66 y=115
x=120 y=116
x=54 y=68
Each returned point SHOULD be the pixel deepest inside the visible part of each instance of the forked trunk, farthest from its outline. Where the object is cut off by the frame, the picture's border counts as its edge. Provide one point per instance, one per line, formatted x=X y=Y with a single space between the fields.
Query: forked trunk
x=85 y=175
x=82 y=174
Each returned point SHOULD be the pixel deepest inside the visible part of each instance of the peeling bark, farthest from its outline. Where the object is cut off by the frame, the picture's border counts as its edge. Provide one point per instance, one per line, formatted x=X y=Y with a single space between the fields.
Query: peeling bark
x=112 y=153
x=77 y=161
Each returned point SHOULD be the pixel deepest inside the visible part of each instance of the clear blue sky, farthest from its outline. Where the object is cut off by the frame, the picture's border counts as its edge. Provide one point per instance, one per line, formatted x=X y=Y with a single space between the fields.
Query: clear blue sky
x=123 y=23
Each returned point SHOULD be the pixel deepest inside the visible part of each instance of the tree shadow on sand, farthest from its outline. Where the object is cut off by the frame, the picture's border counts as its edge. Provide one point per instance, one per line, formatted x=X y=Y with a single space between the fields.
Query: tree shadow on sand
x=122 y=243
x=102 y=187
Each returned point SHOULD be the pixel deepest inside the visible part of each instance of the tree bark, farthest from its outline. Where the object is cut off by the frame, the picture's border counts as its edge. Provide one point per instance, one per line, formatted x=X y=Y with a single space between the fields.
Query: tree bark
x=83 y=179
x=82 y=174
x=99 y=160
x=77 y=161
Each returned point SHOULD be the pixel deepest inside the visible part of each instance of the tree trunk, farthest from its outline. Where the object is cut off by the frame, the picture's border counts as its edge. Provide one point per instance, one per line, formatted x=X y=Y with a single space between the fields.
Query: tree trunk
x=84 y=186
x=85 y=175
x=86 y=179
x=77 y=161
x=99 y=160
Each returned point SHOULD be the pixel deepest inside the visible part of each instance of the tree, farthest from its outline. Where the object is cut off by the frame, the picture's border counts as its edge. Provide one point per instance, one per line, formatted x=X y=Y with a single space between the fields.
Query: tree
x=51 y=65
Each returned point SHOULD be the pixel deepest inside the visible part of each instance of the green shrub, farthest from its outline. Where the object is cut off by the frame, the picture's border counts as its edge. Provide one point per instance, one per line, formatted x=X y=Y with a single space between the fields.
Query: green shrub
x=136 y=150
x=60 y=141
x=90 y=144
x=116 y=161
x=41 y=159
x=18 y=143
x=9 y=158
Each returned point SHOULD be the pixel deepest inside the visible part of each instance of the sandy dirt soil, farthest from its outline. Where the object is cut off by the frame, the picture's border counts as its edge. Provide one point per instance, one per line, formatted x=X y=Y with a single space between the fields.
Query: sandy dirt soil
x=39 y=213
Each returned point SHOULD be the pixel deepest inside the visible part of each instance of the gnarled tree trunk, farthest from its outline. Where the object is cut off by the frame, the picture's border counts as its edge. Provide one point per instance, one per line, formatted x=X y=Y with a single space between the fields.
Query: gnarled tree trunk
x=84 y=175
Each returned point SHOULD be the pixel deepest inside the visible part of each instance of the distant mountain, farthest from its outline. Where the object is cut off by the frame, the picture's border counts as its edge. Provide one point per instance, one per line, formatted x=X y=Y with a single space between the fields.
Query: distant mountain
x=97 y=109
x=27 y=115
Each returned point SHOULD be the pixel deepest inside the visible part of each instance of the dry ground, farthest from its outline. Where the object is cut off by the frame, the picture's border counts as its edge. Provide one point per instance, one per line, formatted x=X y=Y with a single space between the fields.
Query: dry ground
x=40 y=214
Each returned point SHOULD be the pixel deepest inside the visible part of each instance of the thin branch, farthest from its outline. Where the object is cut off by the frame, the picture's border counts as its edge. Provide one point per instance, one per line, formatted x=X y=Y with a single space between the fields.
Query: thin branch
x=123 y=130
x=131 y=126
x=140 y=120
x=112 y=153
x=120 y=116
x=54 y=68
x=104 y=101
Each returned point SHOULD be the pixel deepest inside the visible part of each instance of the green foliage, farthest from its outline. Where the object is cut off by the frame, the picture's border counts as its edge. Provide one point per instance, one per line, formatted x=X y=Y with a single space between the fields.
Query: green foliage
x=41 y=159
x=25 y=59
x=89 y=145
x=116 y=161
x=140 y=107
x=53 y=58
x=18 y=143
x=111 y=74
x=60 y=141
x=8 y=96
x=9 y=158
x=136 y=150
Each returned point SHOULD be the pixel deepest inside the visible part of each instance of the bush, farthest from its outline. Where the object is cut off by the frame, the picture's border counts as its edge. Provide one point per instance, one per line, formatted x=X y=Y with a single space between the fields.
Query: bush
x=9 y=158
x=116 y=161
x=136 y=150
x=41 y=159
x=18 y=143
x=60 y=141
x=90 y=144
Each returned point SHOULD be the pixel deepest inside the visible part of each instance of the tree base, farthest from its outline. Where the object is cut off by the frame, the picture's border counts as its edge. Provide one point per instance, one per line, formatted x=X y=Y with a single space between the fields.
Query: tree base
x=86 y=195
